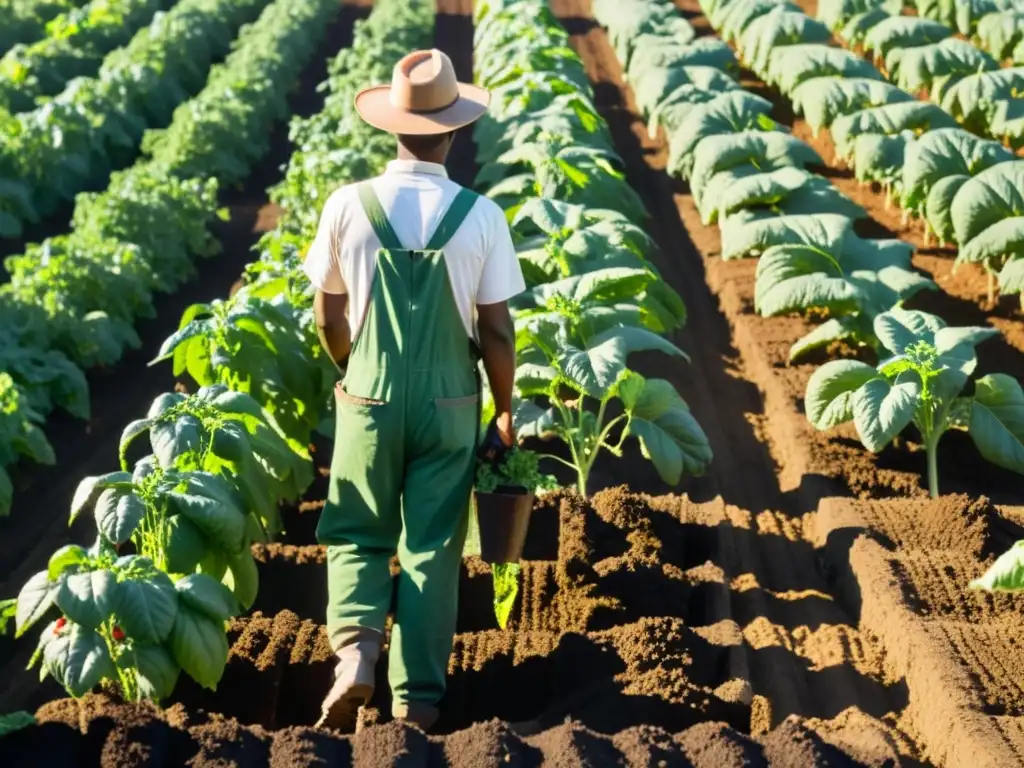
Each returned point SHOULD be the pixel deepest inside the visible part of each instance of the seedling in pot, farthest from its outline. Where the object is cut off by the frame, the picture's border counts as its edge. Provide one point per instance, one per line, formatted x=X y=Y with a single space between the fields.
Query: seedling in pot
x=518 y=474
x=926 y=383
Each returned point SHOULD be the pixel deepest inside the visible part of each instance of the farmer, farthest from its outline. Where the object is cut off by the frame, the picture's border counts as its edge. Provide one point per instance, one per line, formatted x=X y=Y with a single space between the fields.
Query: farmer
x=412 y=273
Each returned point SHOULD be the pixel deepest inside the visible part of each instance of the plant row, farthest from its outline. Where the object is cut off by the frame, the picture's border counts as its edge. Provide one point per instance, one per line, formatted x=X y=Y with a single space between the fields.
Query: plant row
x=593 y=294
x=73 y=142
x=143 y=233
x=221 y=459
x=25 y=20
x=923 y=55
x=748 y=174
x=75 y=45
x=936 y=171
x=942 y=174
x=997 y=26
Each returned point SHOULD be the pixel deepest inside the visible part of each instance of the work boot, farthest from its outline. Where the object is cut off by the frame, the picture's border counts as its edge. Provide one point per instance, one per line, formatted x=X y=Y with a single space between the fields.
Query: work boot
x=416 y=712
x=353 y=680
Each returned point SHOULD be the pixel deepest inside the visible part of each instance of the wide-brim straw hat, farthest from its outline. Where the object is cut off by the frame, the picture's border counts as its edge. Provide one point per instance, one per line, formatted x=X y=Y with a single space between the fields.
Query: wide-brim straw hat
x=424 y=98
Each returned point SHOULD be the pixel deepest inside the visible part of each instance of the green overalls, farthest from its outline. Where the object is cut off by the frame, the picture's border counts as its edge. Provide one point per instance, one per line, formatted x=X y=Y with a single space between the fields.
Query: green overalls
x=403 y=463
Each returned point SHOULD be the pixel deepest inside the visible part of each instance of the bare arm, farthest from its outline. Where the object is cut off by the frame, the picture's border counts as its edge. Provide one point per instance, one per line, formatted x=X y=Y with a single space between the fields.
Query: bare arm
x=332 y=325
x=498 y=349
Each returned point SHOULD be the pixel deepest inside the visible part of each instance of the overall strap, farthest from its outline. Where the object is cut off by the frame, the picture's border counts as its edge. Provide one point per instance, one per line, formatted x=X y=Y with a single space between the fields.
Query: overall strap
x=378 y=219
x=453 y=218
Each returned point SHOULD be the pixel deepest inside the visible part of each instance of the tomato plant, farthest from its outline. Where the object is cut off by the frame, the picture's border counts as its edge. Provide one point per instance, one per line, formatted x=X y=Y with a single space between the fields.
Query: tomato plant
x=122 y=621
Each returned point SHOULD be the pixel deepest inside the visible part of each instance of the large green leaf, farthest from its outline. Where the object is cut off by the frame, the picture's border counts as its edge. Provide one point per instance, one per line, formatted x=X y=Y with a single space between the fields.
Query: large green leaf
x=752 y=238
x=899 y=328
x=669 y=435
x=828 y=401
x=780 y=26
x=118 y=513
x=945 y=152
x=157 y=671
x=903 y=32
x=938 y=208
x=34 y=600
x=915 y=69
x=596 y=368
x=823 y=99
x=200 y=646
x=728 y=113
x=997 y=420
x=881 y=410
x=201 y=593
x=836 y=13
x=730 y=192
x=791 y=65
x=799 y=277
x=888 y=120
x=994 y=194
x=146 y=609
x=767 y=149
x=1011 y=277
x=967 y=98
x=87 y=598
x=242 y=577
x=1006 y=574
x=222 y=523
x=999 y=33
x=78 y=659
x=1004 y=239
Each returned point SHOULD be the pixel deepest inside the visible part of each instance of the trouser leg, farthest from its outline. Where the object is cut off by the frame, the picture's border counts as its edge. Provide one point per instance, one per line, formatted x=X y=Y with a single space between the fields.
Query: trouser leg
x=360 y=525
x=435 y=510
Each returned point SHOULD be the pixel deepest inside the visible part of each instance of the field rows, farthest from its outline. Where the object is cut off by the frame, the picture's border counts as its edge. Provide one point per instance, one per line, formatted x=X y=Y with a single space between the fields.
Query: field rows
x=784 y=610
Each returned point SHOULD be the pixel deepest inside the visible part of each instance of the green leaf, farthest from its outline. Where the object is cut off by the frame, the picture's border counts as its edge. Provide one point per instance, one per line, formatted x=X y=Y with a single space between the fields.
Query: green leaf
x=506 y=588
x=157 y=671
x=669 y=435
x=881 y=410
x=186 y=545
x=68 y=556
x=1006 y=574
x=133 y=430
x=34 y=600
x=15 y=721
x=90 y=489
x=828 y=401
x=997 y=420
x=146 y=609
x=181 y=337
x=832 y=330
x=201 y=593
x=78 y=659
x=200 y=646
x=171 y=439
x=87 y=598
x=118 y=514
x=243 y=577
x=223 y=524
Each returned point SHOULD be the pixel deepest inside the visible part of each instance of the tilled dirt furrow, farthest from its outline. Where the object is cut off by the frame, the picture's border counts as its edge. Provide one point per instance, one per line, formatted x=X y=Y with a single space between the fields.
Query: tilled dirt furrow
x=781 y=565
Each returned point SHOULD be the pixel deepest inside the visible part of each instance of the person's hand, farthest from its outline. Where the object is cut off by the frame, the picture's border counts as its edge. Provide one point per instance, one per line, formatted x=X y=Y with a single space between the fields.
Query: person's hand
x=497 y=441
x=503 y=423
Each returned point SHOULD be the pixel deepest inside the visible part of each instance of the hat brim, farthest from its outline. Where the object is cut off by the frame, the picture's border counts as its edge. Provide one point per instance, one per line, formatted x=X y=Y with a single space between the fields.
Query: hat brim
x=375 y=107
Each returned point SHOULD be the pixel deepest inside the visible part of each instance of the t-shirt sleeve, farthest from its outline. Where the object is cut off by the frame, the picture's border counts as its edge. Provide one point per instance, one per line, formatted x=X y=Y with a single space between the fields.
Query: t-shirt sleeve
x=501 y=278
x=323 y=260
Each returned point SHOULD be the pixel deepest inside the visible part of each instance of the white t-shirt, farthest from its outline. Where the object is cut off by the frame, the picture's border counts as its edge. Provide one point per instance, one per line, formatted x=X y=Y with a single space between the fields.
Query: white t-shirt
x=481 y=260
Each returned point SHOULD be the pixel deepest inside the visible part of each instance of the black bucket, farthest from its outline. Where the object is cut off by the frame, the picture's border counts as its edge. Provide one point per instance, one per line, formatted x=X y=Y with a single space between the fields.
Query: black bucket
x=503 y=518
